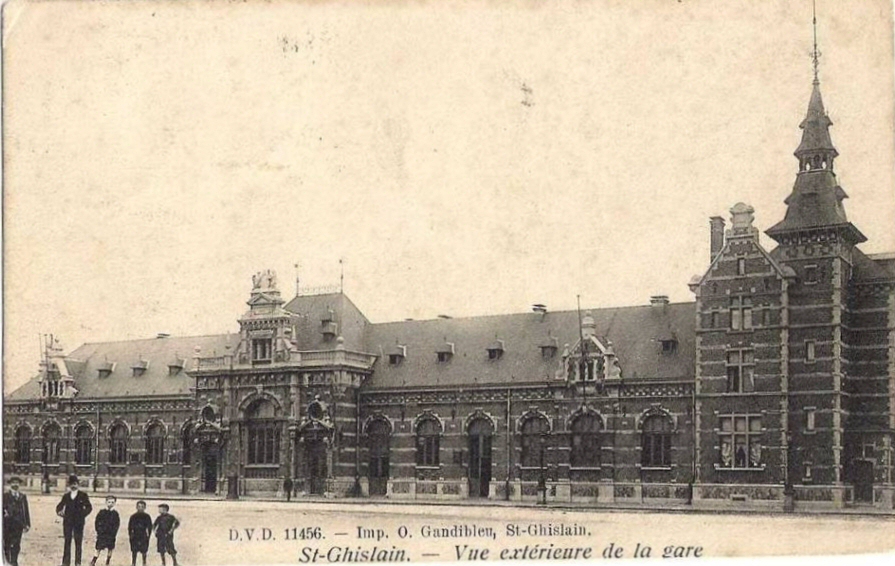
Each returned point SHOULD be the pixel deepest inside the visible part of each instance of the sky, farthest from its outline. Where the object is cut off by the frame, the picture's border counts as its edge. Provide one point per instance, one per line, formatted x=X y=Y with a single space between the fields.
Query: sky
x=461 y=158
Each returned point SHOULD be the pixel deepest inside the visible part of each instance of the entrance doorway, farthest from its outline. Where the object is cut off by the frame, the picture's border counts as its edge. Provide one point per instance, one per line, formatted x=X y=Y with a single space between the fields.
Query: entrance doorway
x=315 y=456
x=863 y=470
x=378 y=437
x=209 y=472
x=480 y=432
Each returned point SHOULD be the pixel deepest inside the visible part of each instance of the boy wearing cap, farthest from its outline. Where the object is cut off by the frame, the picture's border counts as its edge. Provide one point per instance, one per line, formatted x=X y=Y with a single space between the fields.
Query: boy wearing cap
x=74 y=508
x=106 y=524
x=16 y=520
x=139 y=529
x=164 y=527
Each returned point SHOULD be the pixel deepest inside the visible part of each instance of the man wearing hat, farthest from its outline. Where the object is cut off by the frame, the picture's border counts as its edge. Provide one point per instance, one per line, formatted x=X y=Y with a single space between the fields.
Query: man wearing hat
x=16 y=520
x=74 y=508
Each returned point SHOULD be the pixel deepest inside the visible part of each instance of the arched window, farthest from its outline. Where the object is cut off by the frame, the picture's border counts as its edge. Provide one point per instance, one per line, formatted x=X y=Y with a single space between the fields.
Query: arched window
x=428 y=435
x=83 y=445
x=263 y=434
x=23 y=445
x=51 y=437
x=208 y=414
x=534 y=441
x=118 y=445
x=585 y=442
x=656 y=451
x=155 y=444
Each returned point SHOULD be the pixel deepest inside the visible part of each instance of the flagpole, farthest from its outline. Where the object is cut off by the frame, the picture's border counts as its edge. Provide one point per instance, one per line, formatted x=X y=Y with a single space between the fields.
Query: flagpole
x=581 y=372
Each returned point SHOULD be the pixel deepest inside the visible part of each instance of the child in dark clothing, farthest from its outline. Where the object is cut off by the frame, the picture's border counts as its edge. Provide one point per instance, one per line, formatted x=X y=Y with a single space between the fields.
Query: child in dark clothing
x=139 y=529
x=106 y=524
x=164 y=527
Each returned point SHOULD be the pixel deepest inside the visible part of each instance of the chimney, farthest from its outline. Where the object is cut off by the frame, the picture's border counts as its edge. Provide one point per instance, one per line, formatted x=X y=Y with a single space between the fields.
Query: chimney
x=717 y=238
x=658 y=300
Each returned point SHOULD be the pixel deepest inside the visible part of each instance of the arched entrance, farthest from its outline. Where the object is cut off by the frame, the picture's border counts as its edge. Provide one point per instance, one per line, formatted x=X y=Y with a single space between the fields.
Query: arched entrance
x=210 y=443
x=315 y=457
x=378 y=434
x=479 y=433
x=210 y=465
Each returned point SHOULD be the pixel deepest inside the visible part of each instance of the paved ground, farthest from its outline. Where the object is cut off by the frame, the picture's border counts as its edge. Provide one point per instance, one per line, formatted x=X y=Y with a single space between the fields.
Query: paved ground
x=218 y=532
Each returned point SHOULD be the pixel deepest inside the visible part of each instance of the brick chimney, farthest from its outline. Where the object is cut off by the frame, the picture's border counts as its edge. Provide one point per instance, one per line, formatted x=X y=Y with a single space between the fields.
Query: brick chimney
x=717 y=238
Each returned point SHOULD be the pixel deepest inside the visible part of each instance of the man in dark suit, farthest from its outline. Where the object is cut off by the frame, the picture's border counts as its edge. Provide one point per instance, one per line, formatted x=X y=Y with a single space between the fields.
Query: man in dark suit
x=74 y=508
x=16 y=520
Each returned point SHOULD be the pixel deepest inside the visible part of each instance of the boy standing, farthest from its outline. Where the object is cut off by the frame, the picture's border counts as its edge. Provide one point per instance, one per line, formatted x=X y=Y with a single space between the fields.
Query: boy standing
x=164 y=532
x=106 y=524
x=139 y=529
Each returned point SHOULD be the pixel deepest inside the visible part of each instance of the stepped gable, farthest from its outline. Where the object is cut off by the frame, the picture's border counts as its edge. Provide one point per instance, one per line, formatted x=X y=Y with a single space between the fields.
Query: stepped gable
x=635 y=333
x=151 y=357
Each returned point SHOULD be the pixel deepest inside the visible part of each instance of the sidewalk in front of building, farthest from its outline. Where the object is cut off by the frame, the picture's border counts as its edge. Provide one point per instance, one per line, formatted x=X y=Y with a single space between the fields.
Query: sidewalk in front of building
x=621 y=507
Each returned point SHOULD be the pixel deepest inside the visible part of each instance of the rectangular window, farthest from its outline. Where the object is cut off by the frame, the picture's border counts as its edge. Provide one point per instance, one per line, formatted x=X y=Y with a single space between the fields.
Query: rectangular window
x=83 y=451
x=740 y=441
x=427 y=450
x=740 y=313
x=23 y=450
x=740 y=365
x=155 y=450
x=809 y=419
x=263 y=443
x=261 y=350
x=809 y=350
x=118 y=451
x=741 y=266
x=810 y=274
x=716 y=323
x=51 y=451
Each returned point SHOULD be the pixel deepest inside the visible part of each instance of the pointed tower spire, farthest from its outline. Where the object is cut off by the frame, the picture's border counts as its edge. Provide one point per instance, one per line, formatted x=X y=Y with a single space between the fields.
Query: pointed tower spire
x=816 y=198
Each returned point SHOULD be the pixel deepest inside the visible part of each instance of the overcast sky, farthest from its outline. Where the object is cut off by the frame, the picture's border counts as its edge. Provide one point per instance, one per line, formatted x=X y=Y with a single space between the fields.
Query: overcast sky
x=463 y=158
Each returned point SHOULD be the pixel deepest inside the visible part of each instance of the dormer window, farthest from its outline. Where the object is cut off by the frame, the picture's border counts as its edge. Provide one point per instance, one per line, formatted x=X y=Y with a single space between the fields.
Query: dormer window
x=105 y=369
x=329 y=330
x=445 y=352
x=548 y=348
x=327 y=317
x=669 y=346
x=140 y=367
x=176 y=366
x=495 y=350
x=397 y=355
x=262 y=350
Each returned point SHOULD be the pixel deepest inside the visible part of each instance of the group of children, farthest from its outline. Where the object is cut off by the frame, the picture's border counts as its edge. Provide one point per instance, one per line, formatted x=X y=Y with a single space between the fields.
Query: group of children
x=139 y=530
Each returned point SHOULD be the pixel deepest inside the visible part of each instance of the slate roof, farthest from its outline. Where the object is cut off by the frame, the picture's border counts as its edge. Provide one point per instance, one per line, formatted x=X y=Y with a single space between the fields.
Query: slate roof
x=816 y=126
x=635 y=333
x=875 y=267
x=84 y=364
x=314 y=309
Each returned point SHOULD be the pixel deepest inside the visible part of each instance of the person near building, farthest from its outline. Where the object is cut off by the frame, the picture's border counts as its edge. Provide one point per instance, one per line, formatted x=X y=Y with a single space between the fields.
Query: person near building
x=139 y=530
x=106 y=525
x=16 y=520
x=165 y=525
x=73 y=508
x=288 y=485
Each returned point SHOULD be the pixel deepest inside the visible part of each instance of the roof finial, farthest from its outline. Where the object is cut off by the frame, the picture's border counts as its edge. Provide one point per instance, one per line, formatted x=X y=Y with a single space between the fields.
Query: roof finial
x=816 y=55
